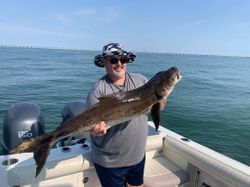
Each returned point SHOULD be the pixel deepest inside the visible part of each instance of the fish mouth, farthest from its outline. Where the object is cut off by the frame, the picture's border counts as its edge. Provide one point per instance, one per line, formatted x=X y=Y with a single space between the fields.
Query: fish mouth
x=178 y=75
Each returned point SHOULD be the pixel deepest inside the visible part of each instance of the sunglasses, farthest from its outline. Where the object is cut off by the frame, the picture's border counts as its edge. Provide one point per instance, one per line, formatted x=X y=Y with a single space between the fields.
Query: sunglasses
x=115 y=60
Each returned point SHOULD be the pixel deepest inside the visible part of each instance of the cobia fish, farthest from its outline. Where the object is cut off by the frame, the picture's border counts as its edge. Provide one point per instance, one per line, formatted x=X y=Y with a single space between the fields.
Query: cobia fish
x=112 y=109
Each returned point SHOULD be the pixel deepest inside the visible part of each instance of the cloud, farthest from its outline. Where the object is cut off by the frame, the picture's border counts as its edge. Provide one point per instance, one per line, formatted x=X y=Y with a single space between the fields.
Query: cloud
x=105 y=15
x=198 y=22
x=193 y=23
x=26 y=30
x=69 y=16
x=111 y=14
x=61 y=17
x=243 y=26
x=84 y=12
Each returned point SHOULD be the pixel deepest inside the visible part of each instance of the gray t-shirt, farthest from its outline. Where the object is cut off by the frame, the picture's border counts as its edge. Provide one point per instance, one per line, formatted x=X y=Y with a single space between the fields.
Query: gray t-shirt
x=123 y=144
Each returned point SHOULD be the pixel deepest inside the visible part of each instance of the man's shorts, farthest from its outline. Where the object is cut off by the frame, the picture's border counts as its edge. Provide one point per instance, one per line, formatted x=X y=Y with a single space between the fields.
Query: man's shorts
x=118 y=177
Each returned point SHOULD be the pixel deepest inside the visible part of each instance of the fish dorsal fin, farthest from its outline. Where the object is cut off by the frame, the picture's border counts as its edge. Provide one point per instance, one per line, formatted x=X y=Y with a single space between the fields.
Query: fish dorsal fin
x=116 y=96
x=103 y=98
x=128 y=96
x=155 y=114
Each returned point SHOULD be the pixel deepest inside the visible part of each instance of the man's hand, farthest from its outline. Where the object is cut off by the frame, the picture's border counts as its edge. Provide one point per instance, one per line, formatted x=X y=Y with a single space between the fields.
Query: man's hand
x=100 y=129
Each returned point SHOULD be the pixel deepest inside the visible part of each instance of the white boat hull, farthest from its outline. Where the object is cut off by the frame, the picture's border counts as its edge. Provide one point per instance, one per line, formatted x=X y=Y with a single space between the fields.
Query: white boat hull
x=171 y=160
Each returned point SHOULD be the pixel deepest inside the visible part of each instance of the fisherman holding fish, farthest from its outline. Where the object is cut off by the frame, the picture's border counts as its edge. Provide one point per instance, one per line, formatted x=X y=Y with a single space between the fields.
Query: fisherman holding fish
x=120 y=101
x=119 y=152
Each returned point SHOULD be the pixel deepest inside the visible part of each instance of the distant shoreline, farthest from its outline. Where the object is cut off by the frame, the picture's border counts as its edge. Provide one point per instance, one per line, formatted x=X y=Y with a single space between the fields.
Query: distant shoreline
x=138 y=52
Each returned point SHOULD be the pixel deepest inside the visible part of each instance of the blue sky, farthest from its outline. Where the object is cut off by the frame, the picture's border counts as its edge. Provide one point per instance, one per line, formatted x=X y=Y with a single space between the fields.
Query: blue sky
x=219 y=27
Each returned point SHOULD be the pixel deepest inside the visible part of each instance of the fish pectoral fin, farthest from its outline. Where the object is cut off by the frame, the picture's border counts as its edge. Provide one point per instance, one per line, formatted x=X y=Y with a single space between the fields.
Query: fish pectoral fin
x=155 y=114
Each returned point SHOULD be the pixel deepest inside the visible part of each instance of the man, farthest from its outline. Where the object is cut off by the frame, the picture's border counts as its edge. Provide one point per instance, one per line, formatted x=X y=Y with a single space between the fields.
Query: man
x=118 y=152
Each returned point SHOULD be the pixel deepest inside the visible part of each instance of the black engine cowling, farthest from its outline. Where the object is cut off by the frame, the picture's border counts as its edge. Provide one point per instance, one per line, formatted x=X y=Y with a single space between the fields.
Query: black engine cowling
x=72 y=109
x=22 y=122
x=69 y=111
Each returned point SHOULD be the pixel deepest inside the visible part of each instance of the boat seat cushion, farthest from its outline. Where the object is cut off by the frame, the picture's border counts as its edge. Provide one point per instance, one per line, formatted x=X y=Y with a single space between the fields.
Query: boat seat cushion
x=161 y=172
x=154 y=143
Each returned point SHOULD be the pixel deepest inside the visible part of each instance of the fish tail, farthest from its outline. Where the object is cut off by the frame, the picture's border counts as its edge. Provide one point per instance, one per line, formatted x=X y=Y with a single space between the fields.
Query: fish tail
x=40 y=155
x=40 y=146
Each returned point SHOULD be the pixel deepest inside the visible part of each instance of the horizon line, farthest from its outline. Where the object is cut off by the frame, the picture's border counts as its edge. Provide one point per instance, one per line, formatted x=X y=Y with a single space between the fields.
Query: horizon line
x=145 y=52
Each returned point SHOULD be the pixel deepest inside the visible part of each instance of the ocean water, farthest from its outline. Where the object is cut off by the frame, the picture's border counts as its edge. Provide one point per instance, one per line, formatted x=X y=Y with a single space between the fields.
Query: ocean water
x=210 y=105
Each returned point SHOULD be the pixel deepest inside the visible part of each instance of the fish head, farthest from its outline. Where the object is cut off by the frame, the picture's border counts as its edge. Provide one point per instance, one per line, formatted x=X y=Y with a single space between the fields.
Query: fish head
x=165 y=81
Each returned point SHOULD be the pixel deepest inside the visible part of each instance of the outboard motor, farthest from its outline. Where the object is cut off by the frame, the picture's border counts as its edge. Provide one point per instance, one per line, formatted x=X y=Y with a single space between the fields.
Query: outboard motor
x=22 y=122
x=72 y=109
x=69 y=111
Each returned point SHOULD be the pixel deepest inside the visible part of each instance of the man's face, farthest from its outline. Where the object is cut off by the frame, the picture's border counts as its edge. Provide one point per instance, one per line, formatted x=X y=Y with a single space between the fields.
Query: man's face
x=115 y=66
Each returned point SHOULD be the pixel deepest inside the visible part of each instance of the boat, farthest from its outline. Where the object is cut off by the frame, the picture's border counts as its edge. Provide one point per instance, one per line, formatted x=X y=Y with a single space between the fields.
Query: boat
x=171 y=160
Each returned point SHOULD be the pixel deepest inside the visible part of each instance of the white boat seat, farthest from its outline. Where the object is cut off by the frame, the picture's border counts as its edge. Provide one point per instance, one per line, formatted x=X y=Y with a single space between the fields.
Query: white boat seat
x=161 y=172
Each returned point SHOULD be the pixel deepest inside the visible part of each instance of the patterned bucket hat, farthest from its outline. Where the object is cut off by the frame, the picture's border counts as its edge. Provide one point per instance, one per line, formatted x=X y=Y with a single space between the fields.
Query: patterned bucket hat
x=113 y=49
